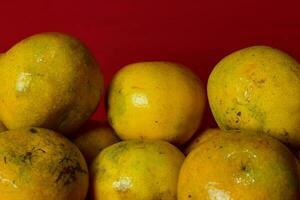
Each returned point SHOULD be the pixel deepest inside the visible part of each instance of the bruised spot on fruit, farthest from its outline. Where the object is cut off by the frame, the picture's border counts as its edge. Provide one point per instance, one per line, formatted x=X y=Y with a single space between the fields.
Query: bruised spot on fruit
x=68 y=170
x=261 y=81
x=28 y=156
x=238 y=117
x=33 y=130
x=161 y=152
x=244 y=167
x=189 y=196
x=4 y=159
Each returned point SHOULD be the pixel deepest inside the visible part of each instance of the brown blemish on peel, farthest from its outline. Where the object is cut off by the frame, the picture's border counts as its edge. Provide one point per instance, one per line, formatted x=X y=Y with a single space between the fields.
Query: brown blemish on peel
x=67 y=171
x=33 y=130
x=27 y=157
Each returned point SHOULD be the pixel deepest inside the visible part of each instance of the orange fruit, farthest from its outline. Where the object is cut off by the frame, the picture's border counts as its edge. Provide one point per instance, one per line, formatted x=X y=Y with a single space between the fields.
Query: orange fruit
x=257 y=89
x=239 y=165
x=94 y=136
x=136 y=170
x=156 y=100
x=49 y=80
x=40 y=164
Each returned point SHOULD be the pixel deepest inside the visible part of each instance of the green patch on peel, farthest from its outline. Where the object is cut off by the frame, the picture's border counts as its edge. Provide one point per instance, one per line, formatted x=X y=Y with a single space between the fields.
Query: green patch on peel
x=16 y=161
x=119 y=105
x=258 y=115
x=116 y=151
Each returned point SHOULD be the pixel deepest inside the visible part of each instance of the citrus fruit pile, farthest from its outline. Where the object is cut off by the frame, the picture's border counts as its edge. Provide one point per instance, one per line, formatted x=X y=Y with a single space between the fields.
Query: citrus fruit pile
x=50 y=149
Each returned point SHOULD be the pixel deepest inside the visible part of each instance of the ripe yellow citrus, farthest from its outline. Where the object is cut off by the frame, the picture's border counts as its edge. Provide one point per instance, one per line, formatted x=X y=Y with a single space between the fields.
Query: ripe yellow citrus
x=239 y=165
x=136 y=170
x=40 y=164
x=156 y=100
x=94 y=136
x=257 y=89
x=48 y=80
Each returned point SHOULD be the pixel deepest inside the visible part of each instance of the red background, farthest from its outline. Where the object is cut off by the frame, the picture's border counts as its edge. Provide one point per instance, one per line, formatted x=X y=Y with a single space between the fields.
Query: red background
x=193 y=32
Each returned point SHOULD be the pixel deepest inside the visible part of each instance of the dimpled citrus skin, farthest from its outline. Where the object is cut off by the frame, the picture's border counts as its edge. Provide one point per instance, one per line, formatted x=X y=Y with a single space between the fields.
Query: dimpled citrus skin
x=156 y=100
x=238 y=165
x=94 y=136
x=258 y=89
x=135 y=170
x=48 y=80
x=40 y=164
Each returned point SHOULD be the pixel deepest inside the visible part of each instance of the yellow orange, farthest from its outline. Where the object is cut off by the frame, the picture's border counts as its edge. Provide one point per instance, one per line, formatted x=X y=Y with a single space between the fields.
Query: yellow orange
x=156 y=100
x=239 y=165
x=135 y=170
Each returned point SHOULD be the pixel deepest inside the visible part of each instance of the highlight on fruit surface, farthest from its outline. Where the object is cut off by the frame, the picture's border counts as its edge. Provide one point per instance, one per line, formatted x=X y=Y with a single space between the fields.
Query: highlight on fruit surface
x=136 y=169
x=239 y=165
x=257 y=89
x=49 y=80
x=93 y=137
x=156 y=100
x=41 y=164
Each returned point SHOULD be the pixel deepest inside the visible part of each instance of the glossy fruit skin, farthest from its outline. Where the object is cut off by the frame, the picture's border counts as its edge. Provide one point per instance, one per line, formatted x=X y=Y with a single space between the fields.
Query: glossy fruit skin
x=236 y=166
x=136 y=169
x=49 y=80
x=93 y=137
x=40 y=164
x=257 y=89
x=156 y=100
